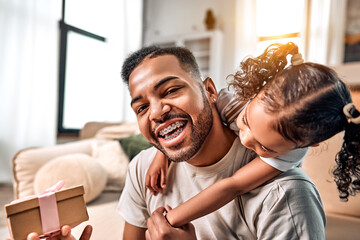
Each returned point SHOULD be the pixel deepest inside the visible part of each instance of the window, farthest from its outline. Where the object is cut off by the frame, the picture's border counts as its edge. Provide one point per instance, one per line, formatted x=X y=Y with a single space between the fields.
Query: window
x=352 y=32
x=90 y=62
x=279 y=21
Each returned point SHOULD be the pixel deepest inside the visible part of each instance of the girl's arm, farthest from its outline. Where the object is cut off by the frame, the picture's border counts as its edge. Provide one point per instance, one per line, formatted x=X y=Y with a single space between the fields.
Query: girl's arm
x=155 y=179
x=222 y=192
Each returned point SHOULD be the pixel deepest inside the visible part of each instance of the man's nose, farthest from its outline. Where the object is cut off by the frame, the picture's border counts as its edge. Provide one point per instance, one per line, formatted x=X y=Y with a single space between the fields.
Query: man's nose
x=158 y=110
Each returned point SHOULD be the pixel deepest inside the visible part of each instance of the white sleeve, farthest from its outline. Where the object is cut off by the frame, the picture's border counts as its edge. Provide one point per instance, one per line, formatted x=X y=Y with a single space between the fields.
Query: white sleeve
x=288 y=160
x=229 y=106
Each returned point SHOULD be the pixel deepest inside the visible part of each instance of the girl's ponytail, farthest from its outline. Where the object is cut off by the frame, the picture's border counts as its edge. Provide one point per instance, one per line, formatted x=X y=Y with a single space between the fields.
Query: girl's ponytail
x=255 y=73
x=347 y=171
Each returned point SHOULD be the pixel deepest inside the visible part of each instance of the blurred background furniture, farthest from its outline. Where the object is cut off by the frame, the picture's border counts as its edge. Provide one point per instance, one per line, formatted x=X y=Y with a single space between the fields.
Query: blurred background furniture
x=107 y=223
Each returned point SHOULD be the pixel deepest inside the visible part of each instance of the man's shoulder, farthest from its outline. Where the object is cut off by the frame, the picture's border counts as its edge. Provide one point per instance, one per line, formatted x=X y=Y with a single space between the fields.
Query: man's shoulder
x=293 y=174
x=289 y=181
x=293 y=182
x=291 y=186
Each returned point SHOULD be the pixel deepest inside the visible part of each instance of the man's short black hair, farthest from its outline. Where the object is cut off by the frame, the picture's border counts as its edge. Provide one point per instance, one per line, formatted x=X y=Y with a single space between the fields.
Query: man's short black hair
x=185 y=57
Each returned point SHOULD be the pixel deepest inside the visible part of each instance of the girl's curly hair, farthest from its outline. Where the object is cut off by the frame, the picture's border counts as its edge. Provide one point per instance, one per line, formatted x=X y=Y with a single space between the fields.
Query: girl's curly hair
x=347 y=170
x=256 y=72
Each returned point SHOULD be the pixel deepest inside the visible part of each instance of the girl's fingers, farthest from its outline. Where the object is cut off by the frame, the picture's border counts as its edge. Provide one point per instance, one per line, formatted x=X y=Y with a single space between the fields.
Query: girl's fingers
x=163 y=180
x=154 y=182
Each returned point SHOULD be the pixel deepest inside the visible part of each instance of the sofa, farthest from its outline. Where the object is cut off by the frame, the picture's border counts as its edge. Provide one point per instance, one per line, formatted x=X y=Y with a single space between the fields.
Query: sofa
x=36 y=168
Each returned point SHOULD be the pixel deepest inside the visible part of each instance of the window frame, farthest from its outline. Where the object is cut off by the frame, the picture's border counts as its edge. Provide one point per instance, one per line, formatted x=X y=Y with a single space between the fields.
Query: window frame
x=64 y=30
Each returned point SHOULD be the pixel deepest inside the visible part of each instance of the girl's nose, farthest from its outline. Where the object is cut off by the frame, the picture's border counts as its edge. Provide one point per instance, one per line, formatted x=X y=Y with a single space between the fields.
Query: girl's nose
x=247 y=139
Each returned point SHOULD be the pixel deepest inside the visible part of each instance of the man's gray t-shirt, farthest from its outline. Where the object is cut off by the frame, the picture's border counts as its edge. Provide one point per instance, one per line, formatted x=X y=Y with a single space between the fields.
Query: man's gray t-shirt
x=288 y=207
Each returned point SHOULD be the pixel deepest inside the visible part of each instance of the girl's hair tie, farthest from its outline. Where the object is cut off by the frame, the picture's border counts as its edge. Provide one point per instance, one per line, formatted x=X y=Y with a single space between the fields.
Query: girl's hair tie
x=351 y=113
x=296 y=59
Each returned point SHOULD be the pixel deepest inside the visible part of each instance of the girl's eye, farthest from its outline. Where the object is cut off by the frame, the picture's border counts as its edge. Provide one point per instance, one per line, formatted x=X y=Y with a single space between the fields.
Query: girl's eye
x=264 y=148
x=243 y=120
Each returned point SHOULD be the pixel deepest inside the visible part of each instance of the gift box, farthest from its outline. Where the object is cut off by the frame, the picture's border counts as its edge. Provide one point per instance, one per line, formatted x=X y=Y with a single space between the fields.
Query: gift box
x=46 y=213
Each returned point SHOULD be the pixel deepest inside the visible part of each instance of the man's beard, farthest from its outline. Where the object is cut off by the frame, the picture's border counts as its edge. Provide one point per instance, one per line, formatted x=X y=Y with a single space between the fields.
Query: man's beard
x=199 y=131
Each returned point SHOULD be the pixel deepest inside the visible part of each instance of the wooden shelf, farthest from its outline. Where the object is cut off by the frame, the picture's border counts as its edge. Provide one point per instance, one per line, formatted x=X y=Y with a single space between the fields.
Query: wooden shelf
x=206 y=47
x=352 y=39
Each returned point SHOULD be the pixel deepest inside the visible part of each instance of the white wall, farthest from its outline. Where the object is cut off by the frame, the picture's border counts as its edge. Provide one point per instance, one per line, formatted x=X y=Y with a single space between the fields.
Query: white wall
x=173 y=17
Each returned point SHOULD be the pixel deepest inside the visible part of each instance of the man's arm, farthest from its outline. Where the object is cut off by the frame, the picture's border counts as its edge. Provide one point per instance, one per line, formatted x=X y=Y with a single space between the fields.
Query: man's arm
x=132 y=232
x=159 y=228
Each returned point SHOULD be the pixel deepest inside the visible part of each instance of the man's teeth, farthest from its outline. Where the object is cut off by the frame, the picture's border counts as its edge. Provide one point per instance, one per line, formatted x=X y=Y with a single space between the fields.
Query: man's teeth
x=177 y=132
x=171 y=128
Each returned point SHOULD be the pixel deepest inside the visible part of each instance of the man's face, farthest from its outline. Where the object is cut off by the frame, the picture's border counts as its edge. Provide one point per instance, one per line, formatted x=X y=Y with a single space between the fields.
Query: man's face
x=172 y=111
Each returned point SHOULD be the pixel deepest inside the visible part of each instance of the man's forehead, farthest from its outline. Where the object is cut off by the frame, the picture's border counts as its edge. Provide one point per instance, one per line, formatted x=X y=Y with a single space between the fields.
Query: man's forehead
x=156 y=68
x=167 y=60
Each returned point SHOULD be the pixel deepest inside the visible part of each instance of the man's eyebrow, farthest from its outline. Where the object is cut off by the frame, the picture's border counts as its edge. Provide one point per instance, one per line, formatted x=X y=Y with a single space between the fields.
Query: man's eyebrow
x=247 y=123
x=157 y=86
x=135 y=99
x=163 y=81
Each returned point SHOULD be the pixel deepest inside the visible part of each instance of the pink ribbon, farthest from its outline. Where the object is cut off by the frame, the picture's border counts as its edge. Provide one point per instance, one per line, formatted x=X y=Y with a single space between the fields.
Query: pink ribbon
x=49 y=213
x=48 y=209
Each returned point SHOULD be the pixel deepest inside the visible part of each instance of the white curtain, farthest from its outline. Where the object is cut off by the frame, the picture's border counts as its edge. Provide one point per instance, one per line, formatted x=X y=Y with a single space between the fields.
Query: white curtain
x=132 y=37
x=28 y=76
x=29 y=72
x=325 y=33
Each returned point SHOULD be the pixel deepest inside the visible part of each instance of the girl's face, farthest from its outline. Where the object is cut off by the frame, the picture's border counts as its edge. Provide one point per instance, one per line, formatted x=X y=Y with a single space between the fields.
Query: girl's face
x=256 y=131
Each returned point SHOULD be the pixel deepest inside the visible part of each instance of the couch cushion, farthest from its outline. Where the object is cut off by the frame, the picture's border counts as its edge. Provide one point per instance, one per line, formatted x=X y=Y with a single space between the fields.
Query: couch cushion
x=318 y=164
x=74 y=169
x=27 y=162
x=112 y=158
x=342 y=227
x=118 y=131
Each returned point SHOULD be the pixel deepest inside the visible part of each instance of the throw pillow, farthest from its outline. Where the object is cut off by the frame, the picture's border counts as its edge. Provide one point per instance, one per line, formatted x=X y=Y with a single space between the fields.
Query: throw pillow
x=74 y=169
x=134 y=144
x=112 y=158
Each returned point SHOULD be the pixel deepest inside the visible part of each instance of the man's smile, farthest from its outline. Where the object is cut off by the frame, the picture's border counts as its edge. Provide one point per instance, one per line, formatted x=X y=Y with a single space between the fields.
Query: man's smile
x=171 y=134
x=172 y=130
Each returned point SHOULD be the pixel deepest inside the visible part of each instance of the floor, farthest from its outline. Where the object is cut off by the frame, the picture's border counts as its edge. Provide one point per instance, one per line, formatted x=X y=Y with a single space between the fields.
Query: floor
x=6 y=197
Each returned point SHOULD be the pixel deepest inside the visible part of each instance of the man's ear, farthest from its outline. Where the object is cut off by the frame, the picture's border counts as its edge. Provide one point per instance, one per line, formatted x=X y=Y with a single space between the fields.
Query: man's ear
x=210 y=89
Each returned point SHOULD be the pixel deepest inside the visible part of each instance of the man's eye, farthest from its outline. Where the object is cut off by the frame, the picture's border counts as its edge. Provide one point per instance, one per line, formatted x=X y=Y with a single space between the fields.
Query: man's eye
x=141 y=108
x=171 y=90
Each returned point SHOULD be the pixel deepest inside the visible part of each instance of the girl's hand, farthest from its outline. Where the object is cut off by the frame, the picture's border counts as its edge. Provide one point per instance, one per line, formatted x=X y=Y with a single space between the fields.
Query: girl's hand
x=155 y=179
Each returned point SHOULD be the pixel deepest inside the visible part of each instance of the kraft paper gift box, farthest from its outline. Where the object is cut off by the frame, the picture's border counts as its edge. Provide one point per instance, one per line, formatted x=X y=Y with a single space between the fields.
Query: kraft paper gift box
x=46 y=213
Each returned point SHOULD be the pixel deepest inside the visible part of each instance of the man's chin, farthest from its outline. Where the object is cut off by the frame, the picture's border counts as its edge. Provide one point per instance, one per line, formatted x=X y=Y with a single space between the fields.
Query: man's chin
x=180 y=155
x=175 y=153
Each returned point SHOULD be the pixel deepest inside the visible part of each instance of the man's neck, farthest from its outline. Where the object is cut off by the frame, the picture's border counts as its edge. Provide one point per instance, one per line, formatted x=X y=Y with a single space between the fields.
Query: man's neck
x=215 y=147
